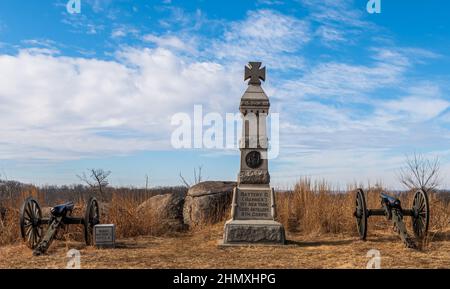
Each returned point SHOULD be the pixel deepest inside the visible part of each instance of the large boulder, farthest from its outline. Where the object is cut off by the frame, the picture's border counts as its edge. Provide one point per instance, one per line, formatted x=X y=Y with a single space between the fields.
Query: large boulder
x=166 y=208
x=208 y=202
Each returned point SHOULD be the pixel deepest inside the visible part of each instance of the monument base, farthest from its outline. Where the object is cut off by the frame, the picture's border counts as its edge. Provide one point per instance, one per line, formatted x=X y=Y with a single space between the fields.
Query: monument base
x=251 y=232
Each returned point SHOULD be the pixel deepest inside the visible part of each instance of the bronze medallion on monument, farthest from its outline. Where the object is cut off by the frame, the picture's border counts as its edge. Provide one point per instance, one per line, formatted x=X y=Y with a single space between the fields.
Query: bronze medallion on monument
x=253 y=159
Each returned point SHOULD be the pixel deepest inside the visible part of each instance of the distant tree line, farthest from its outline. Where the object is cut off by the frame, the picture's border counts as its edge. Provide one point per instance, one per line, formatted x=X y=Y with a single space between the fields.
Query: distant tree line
x=53 y=194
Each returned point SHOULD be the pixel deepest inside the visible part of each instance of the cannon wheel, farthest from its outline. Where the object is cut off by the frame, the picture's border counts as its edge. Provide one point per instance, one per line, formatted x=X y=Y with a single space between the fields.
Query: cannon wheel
x=91 y=218
x=31 y=222
x=361 y=214
x=421 y=214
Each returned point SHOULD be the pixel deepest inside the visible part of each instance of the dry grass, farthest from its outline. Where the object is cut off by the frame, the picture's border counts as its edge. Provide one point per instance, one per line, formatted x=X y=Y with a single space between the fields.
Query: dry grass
x=319 y=223
x=311 y=209
x=200 y=250
x=316 y=208
x=9 y=227
x=123 y=212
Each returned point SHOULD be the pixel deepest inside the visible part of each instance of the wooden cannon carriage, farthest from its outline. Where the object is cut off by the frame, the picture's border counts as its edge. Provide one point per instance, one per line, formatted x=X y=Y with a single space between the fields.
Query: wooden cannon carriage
x=32 y=223
x=392 y=209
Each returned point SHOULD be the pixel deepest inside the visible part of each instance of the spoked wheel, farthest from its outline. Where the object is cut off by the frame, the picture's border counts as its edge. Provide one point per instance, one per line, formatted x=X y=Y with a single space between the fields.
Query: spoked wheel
x=361 y=214
x=91 y=218
x=31 y=222
x=421 y=214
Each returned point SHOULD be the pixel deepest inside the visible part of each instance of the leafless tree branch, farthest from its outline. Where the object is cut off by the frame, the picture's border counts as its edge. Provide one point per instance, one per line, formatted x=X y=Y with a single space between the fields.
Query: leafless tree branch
x=420 y=173
x=197 y=177
x=186 y=183
x=97 y=179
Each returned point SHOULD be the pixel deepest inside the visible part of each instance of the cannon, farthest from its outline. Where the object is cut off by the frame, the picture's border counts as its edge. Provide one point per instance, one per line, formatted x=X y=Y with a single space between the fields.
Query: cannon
x=32 y=223
x=391 y=208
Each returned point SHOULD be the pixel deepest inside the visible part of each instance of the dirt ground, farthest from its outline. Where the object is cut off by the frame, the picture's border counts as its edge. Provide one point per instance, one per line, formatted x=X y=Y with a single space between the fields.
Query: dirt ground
x=200 y=250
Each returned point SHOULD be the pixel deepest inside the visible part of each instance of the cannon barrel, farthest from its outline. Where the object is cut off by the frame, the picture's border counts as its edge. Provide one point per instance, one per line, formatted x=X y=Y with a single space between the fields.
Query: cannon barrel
x=390 y=198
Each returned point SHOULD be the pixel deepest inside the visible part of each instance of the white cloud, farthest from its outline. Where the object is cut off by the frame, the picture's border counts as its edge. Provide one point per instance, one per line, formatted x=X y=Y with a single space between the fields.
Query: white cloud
x=41 y=46
x=63 y=108
x=343 y=166
x=183 y=20
x=270 y=2
x=349 y=82
x=81 y=23
x=337 y=20
x=267 y=35
x=123 y=31
x=417 y=108
x=334 y=121
x=170 y=41
x=337 y=11
x=42 y=51
x=118 y=33
x=98 y=5
x=338 y=123
x=330 y=34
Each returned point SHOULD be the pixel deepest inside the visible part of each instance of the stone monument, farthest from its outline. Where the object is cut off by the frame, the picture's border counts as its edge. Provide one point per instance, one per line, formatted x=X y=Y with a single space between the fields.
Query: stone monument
x=105 y=235
x=253 y=207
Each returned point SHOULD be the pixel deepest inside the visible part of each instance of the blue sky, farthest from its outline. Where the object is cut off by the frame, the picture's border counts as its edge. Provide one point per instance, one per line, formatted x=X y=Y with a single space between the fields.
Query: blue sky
x=356 y=92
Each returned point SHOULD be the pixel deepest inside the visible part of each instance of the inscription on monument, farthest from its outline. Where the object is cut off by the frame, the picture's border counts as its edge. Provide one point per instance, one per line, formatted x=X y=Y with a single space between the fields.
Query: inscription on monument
x=105 y=235
x=254 y=205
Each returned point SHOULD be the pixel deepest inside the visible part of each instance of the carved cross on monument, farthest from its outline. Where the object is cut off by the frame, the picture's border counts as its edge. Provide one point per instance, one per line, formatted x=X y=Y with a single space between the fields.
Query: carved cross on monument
x=255 y=73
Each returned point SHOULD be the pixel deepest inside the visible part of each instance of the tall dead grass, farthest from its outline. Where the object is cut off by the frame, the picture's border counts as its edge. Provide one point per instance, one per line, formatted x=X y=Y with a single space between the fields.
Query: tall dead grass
x=310 y=208
x=130 y=222
x=318 y=208
x=314 y=208
x=9 y=226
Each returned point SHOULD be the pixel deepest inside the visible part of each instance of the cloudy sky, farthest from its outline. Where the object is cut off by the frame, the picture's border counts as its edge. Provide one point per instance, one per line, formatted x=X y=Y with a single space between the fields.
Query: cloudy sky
x=356 y=92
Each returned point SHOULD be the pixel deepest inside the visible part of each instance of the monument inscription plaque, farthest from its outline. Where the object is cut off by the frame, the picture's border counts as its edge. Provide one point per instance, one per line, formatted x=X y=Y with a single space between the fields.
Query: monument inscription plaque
x=105 y=235
x=253 y=207
x=253 y=204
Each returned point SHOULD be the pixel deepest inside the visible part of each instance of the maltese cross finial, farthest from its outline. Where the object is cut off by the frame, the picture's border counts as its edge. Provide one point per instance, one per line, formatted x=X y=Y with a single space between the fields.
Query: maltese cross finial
x=255 y=73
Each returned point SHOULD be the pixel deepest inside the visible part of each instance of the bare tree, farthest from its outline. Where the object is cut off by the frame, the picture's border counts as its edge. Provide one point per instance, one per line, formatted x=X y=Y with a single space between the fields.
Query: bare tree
x=420 y=173
x=197 y=177
x=97 y=179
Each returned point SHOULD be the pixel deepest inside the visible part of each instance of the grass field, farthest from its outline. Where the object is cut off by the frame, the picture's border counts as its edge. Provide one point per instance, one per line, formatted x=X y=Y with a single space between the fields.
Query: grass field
x=200 y=249
x=319 y=225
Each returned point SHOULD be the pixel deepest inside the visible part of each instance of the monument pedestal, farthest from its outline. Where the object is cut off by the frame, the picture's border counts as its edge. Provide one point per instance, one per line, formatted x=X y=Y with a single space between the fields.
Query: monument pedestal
x=253 y=214
x=253 y=231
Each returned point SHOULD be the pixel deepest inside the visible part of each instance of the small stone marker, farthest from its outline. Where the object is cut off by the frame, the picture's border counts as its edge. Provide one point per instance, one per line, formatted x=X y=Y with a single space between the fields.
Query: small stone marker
x=105 y=235
x=253 y=208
